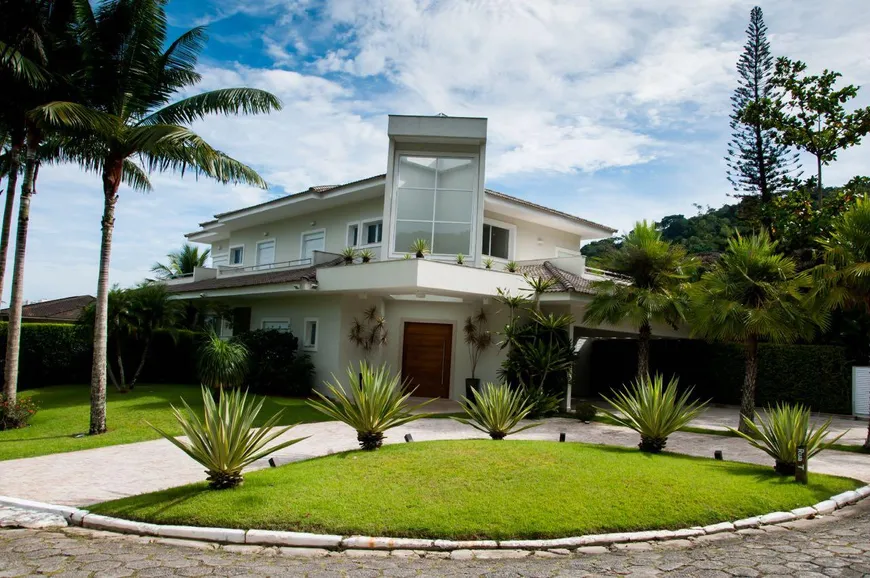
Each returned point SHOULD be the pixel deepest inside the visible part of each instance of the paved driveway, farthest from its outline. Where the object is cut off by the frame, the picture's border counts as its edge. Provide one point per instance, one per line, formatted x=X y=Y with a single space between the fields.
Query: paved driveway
x=90 y=476
x=832 y=546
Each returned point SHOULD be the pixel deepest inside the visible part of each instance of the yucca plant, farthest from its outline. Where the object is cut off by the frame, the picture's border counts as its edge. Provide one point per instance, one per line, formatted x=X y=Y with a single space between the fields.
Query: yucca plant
x=460 y=259
x=224 y=440
x=488 y=262
x=372 y=403
x=653 y=410
x=222 y=363
x=785 y=428
x=420 y=247
x=496 y=410
x=511 y=266
x=349 y=254
x=366 y=255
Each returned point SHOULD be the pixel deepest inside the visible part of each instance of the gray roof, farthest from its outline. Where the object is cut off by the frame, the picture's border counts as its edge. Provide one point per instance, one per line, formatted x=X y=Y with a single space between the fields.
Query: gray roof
x=253 y=279
x=564 y=280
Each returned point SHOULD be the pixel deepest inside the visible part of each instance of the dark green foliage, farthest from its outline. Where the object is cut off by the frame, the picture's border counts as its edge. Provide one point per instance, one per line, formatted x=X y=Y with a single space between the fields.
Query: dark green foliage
x=60 y=353
x=16 y=414
x=585 y=411
x=818 y=376
x=277 y=366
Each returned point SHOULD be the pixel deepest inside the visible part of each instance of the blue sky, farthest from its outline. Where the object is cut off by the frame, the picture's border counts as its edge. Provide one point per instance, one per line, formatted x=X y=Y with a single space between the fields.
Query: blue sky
x=614 y=111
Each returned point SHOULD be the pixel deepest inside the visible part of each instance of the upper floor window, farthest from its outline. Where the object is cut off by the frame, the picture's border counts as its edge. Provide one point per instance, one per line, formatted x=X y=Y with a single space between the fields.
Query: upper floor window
x=434 y=202
x=372 y=232
x=312 y=241
x=237 y=255
x=266 y=252
x=496 y=241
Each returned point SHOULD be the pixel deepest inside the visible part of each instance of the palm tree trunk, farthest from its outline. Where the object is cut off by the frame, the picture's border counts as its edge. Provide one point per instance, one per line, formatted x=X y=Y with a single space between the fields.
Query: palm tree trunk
x=643 y=338
x=750 y=377
x=14 y=164
x=111 y=182
x=141 y=362
x=16 y=301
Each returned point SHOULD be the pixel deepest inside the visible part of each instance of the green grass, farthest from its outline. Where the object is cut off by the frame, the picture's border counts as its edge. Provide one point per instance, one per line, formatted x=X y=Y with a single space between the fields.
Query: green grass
x=64 y=412
x=484 y=489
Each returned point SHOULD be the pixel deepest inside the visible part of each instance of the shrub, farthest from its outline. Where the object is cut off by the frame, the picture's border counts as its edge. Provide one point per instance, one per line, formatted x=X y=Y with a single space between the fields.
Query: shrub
x=653 y=410
x=541 y=403
x=223 y=441
x=371 y=403
x=585 y=411
x=276 y=366
x=496 y=410
x=816 y=376
x=16 y=414
x=222 y=363
x=786 y=428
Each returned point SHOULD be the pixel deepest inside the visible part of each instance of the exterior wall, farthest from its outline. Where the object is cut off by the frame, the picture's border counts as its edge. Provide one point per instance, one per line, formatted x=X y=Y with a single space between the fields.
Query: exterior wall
x=527 y=246
x=288 y=232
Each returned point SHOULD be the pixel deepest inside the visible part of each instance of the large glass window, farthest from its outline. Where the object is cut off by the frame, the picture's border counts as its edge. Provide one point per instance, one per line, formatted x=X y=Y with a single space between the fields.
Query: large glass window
x=496 y=242
x=435 y=203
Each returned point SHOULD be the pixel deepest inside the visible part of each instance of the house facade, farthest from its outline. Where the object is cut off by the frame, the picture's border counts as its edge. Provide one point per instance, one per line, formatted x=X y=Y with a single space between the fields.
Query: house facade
x=279 y=264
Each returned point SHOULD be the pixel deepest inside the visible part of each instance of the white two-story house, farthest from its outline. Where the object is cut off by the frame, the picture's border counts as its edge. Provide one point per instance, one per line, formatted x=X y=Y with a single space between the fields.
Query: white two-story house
x=279 y=264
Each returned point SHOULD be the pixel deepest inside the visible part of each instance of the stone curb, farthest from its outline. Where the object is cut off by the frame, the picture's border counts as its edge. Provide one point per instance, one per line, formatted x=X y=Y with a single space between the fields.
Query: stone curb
x=318 y=544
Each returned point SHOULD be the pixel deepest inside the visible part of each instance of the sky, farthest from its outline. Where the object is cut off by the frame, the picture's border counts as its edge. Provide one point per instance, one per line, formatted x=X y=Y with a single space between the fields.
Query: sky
x=614 y=111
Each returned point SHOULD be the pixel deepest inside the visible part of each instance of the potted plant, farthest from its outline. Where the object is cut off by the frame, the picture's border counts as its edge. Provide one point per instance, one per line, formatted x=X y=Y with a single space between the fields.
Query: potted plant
x=488 y=262
x=478 y=340
x=460 y=259
x=511 y=267
x=366 y=255
x=420 y=248
x=349 y=254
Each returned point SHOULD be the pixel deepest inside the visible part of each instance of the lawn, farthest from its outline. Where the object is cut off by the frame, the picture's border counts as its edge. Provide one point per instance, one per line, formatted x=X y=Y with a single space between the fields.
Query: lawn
x=484 y=489
x=64 y=413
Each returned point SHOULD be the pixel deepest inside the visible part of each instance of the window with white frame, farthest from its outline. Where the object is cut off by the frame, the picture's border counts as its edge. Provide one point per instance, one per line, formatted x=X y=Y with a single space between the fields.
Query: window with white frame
x=373 y=231
x=496 y=241
x=353 y=235
x=311 y=242
x=266 y=253
x=276 y=324
x=237 y=255
x=434 y=202
x=309 y=336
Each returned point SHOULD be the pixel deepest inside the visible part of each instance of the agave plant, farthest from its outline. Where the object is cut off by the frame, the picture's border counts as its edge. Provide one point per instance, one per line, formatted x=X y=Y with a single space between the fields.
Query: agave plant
x=366 y=255
x=371 y=403
x=653 y=410
x=496 y=410
x=460 y=259
x=349 y=254
x=420 y=247
x=488 y=262
x=223 y=441
x=222 y=363
x=786 y=427
x=511 y=266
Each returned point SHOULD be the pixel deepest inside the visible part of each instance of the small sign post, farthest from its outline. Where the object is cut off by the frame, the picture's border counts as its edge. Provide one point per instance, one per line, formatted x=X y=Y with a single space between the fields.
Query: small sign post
x=800 y=472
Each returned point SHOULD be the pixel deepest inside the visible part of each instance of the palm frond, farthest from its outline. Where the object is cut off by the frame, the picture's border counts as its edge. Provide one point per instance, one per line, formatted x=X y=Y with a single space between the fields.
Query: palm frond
x=76 y=117
x=227 y=101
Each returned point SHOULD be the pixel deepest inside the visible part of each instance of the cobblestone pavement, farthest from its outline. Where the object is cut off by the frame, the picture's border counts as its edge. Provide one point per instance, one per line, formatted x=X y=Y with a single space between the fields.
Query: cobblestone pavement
x=834 y=546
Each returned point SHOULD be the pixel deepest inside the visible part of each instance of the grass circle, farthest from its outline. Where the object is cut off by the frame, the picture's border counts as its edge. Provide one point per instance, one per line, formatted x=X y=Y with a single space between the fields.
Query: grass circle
x=474 y=489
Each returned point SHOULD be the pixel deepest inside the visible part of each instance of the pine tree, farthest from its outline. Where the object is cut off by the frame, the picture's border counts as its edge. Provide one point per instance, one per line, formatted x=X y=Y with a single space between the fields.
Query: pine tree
x=757 y=165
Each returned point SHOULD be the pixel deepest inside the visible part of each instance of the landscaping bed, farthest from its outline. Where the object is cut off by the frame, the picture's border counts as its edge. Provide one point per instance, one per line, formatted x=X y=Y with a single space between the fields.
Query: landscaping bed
x=475 y=489
x=64 y=413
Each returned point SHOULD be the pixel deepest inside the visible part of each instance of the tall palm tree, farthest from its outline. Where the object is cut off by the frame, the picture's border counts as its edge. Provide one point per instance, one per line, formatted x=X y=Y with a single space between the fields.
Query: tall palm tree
x=843 y=277
x=131 y=79
x=41 y=32
x=181 y=262
x=656 y=274
x=754 y=294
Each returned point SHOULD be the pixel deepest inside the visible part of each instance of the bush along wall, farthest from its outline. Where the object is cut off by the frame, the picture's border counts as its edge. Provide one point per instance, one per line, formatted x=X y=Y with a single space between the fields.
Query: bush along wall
x=818 y=376
x=59 y=353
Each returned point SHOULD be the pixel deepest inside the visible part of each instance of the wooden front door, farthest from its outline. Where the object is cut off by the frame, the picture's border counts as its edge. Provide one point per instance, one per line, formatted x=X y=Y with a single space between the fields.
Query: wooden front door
x=426 y=358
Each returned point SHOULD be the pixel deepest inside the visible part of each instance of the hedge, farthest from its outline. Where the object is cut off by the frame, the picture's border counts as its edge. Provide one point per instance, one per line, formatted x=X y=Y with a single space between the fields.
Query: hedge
x=59 y=353
x=818 y=376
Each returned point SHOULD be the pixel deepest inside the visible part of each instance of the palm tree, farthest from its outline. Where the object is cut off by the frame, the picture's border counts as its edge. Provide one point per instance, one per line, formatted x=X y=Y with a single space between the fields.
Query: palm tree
x=752 y=294
x=181 y=262
x=843 y=275
x=653 y=290
x=131 y=78
x=40 y=35
x=151 y=310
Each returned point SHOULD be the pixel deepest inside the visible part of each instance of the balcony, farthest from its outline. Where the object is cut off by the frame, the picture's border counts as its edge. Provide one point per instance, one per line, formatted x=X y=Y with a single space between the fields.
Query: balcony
x=225 y=271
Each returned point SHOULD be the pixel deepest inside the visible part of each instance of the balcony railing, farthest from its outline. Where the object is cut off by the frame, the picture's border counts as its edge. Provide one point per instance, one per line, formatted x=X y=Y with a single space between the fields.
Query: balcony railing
x=224 y=270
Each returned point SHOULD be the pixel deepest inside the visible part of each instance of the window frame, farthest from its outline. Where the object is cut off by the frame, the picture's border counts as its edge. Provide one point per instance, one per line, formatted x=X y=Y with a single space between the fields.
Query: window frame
x=512 y=239
x=230 y=256
x=257 y=263
x=474 y=225
x=361 y=230
x=266 y=320
x=305 y=344
x=302 y=242
x=356 y=234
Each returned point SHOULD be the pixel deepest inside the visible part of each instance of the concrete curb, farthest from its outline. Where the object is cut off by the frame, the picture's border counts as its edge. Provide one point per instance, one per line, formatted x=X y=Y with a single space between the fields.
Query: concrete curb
x=305 y=542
